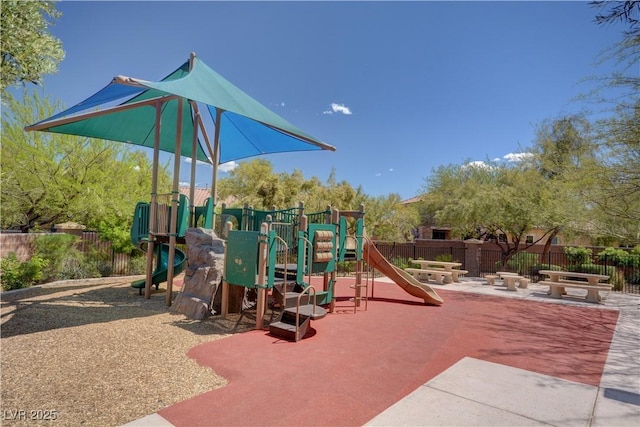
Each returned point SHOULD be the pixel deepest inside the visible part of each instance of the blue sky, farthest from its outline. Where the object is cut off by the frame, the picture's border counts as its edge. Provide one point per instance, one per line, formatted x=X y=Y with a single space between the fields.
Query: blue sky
x=399 y=88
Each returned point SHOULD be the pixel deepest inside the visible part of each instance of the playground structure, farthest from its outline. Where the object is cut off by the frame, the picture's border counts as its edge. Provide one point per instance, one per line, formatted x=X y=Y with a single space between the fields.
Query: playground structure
x=276 y=253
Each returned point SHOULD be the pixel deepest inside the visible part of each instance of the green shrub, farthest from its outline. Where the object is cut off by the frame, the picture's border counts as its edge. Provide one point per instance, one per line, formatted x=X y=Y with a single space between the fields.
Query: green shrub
x=521 y=262
x=16 y=275
x=612 y=256
x=587 y=268
x=137 y=265
x=633 y=278
x=64 y=260
x=617 y=279
x=411 y=264
x=55 y=248
x=104 y=268
x=77 y=267
x=577 y=256
x=401 y=263
x=346 y=267
x=534 y=271
x=444 y=258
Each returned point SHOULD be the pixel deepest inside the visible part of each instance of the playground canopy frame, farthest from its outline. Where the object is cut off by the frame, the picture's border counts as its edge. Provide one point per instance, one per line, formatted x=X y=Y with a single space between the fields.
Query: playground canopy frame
x=163 y=114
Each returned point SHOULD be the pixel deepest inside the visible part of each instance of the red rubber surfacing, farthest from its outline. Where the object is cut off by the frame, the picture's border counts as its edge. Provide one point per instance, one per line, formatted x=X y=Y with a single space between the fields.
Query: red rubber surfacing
x=354 y=366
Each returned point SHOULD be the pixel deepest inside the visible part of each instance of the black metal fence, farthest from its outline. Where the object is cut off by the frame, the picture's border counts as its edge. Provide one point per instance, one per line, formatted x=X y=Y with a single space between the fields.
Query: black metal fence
x=400 y=254
x=101 y=252
x=625 y=278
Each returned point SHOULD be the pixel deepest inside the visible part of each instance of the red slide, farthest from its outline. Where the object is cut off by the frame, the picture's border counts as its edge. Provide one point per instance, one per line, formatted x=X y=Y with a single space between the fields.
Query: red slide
x=403 y=279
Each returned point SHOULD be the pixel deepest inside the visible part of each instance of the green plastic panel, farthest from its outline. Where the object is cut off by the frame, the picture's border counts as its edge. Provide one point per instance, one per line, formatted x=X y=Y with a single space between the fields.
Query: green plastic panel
x=322 y=267
x=241 y=261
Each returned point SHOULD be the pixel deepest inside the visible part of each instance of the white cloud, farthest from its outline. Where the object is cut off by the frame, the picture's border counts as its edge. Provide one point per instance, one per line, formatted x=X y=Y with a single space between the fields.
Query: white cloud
x=228 y=167
x=390 y=169
x=476 y=164
x=198 y=162
x=517 y=157
x=338 y=108
x=378 y=174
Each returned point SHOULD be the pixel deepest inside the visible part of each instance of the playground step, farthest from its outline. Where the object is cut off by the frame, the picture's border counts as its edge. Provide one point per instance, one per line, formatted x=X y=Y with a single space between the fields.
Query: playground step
x=308 y=310
x=291 y=299
x=291 y=270
x=285 y=326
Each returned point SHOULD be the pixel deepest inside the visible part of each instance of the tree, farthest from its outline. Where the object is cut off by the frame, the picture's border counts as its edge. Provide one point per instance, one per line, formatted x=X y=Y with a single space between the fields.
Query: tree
x=386 y=218
x=255 y=183
x=620 y=88
x=28 y=50
x=613 y=184
x=495 y=202
x=49 y=178
x=626 y=12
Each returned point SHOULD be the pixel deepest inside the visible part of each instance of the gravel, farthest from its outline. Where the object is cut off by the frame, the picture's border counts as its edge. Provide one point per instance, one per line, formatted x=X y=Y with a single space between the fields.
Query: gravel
x=96 y=353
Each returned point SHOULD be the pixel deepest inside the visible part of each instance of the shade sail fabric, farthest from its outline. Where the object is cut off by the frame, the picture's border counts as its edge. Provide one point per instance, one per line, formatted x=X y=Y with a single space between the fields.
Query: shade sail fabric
x=135 y=126
x=247 y=127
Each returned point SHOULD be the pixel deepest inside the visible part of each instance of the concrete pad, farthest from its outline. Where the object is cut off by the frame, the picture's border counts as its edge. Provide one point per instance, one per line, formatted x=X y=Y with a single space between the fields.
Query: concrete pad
x=153 y=420
x=429 y=407
x=619 y=396
x=476 y=392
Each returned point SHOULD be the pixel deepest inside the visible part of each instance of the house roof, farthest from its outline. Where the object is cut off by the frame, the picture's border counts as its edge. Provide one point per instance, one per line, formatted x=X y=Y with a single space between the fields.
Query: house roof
x=200 y=195
x=415 y=199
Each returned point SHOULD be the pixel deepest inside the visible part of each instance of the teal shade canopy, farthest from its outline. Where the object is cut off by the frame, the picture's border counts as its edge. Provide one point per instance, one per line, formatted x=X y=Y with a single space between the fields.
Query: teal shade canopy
x=247 y=128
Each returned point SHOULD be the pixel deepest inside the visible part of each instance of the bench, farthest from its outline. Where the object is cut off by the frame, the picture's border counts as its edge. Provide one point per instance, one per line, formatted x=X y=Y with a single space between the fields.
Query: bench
x=510 y=281
x=557 y=289
x=523 y=283
x=491 y=278
x=455 y=273
x=508 y=278
x=438 y=275
x=506 y=273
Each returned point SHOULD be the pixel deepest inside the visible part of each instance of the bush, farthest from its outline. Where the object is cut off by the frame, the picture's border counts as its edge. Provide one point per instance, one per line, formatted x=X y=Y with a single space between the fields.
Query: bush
x=521 y=262
x=64 y=260
x=137 y=265
x=346 y=267
x=444 y=258
x=633 y=278
x=578 y=256
x=74 y=267
x=16 y=275
x=587 y=268
x=400 y=262
x=612 y=256
x=411 y=264
x=534 y=271
x=56 y=248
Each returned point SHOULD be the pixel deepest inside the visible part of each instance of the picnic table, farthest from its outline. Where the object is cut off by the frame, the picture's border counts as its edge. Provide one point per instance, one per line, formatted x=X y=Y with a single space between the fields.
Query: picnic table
x=559 y=280
x=447 y=266
x=509 y=279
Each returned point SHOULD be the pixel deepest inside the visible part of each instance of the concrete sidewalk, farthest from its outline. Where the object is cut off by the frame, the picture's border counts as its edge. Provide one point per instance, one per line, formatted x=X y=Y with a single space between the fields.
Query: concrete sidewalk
x=485 y=393
x=475 y=392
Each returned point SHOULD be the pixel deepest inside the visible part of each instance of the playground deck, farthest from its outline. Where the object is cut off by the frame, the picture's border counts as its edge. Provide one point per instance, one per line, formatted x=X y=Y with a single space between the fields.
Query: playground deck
x=494 y=359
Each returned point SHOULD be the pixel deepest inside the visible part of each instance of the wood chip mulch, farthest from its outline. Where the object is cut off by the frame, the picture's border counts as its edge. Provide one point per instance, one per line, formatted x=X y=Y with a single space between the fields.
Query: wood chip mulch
x=96 y=353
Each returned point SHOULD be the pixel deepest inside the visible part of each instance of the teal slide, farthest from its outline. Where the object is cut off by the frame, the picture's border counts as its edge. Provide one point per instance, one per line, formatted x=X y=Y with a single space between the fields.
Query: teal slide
x=162 y=266
x=140 y=233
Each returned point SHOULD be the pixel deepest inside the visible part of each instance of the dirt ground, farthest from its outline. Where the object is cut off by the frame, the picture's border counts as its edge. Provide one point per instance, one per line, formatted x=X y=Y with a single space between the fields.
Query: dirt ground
x=96 y=353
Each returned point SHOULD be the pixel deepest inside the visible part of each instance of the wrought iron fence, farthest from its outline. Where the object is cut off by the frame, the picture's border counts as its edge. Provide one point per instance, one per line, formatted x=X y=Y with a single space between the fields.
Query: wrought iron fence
x=101 y=252
x=400 y=254
x=625 y=278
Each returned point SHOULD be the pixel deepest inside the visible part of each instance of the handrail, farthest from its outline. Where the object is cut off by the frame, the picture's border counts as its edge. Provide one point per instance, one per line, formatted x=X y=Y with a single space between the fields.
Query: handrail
x=286 y=263
x=307 y=289
x=307 y=257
